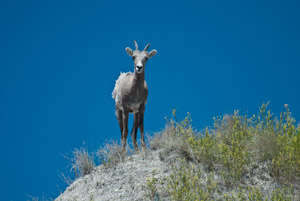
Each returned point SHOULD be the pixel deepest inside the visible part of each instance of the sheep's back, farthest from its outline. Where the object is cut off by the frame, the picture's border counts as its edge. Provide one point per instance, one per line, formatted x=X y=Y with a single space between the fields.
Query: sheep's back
x=116 y=92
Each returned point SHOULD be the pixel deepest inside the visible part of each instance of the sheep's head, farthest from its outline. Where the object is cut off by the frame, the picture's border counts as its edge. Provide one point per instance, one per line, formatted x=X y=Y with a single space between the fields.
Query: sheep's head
x=140 y=57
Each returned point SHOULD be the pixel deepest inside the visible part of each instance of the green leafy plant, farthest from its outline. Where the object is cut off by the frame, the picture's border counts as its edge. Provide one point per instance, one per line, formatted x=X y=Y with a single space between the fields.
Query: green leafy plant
x=233 y=147
x=188 y=183
x=279 y=144
x=152 y=186
x=234 y=155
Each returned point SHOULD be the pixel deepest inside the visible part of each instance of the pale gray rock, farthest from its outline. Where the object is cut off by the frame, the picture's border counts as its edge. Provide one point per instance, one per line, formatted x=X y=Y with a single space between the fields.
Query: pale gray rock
x=125 y=181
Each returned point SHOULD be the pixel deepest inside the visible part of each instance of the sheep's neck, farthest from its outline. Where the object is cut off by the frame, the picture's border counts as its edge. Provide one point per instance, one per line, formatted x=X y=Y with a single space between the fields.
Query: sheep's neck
x=139 y=78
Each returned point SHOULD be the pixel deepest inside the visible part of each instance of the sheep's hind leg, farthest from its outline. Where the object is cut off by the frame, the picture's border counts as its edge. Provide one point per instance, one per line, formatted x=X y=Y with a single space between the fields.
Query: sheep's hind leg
x=141 y=125
x=134 y=130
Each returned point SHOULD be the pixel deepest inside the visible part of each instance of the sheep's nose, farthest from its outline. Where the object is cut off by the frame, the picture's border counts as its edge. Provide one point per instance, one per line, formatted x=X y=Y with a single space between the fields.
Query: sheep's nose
x=139 y=69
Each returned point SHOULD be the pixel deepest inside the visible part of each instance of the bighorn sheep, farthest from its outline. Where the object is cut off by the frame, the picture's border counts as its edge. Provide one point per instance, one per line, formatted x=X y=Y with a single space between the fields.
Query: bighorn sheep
x=130 y=94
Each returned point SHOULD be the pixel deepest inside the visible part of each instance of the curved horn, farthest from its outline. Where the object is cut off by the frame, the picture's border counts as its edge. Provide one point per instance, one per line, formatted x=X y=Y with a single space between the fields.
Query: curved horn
x=146 y=48
x=136 y=45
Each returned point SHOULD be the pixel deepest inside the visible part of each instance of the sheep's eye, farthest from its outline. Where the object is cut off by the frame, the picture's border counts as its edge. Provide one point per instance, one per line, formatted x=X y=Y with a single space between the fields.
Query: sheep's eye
x=133 y=57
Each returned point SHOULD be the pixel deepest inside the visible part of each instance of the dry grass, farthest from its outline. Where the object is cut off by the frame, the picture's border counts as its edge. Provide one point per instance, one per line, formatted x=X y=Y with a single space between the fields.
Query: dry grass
x=173 y=139
x=81 y=162
x=35 y=198
x=112 y=153
x=169 y=143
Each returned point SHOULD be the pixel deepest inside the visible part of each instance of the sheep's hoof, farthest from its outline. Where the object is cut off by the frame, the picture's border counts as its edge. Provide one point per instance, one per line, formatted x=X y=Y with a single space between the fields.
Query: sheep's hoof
x=124 y=148
x=144 y=148
x=136 y=148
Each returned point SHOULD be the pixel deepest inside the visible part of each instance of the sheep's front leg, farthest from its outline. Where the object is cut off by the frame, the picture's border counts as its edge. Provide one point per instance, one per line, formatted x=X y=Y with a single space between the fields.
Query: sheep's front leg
x=141 y=125
x=134 y=130
x=120 y=120
x=125 y=115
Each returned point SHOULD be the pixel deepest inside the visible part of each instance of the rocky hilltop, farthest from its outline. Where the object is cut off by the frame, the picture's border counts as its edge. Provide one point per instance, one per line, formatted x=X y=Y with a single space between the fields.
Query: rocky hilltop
x=124 y=181
x=239 y=158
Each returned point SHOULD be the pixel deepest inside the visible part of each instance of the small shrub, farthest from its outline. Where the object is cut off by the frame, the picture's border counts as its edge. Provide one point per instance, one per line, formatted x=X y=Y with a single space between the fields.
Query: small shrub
x=224 y=148
x=232 y=147
x=279 y=141
x=188 y=183
x=203 y=149
x=152 y=186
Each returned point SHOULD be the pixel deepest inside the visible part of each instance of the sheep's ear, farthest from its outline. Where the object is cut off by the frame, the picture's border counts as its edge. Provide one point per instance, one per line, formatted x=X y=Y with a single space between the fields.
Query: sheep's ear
x=129 y=51
x=152 y=53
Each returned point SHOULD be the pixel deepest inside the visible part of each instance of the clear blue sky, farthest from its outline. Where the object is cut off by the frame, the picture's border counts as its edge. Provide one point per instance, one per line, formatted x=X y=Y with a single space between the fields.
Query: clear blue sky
x=59 y=61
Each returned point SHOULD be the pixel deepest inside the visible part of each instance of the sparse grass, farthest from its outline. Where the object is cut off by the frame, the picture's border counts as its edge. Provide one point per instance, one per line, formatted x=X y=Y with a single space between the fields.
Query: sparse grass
x=173 y=138
x=65 y=178
x=81 y=161
x=112 y=153
x=35 y=198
